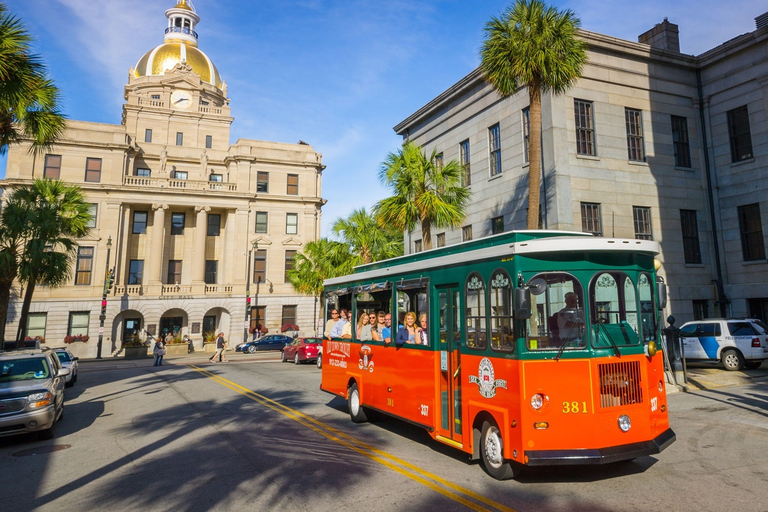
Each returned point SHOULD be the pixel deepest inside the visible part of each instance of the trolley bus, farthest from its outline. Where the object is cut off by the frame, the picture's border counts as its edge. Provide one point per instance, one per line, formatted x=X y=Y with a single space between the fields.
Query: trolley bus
x=541 y=348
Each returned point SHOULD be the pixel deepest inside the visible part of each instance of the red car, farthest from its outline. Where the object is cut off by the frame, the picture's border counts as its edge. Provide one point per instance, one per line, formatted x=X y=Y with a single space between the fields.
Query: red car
x=302 y=350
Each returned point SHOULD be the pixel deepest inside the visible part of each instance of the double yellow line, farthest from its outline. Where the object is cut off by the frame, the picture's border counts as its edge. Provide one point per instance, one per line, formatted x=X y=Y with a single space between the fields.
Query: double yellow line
x=434 y=482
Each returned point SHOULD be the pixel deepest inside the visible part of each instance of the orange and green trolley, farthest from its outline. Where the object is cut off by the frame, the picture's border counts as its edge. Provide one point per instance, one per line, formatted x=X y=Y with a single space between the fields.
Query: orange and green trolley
x=541 y=348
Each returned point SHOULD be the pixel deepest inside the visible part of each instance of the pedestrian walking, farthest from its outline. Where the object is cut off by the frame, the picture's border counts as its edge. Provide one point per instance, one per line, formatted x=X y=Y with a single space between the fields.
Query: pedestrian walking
x=221 y=345
x=159 y=352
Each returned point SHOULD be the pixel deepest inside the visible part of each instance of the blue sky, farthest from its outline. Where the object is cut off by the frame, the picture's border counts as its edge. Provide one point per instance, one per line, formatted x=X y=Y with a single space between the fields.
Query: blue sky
x=338 y=74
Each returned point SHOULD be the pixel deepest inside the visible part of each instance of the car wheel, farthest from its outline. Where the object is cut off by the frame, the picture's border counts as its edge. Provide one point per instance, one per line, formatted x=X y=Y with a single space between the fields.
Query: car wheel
x=74 y=379
x=296 y=358
x=319 y=361
x=48 y=433
x=356 y=410
x=732 y=360
x=282 y=357
x=752 y=365
x=251 y=349
x=492 y=453
x=70 y=383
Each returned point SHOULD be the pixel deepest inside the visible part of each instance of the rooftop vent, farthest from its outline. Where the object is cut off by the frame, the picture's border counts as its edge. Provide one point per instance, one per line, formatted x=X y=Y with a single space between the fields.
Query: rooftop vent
x=761 y=21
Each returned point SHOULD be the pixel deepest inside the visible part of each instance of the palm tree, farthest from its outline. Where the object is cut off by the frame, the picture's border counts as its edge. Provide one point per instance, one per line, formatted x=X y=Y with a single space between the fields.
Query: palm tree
x=425 y=192
x=59 y=215
x=14 y=221
x=534 y=46
x=366 y=238
x=28 y=99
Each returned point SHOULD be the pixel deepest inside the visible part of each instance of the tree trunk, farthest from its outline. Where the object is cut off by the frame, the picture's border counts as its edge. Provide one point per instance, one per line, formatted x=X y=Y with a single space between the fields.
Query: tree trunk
x=5 y=299
x=426 y=235
x=22 y=331
x=534 y=156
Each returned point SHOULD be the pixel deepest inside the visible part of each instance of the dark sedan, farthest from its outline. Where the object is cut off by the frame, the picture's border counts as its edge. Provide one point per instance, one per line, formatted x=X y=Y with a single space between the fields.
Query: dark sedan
x=268 y=342
x=302 y=350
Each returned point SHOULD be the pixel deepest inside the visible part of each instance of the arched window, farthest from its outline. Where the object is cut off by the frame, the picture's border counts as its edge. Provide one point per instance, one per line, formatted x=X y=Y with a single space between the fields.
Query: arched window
x=500 y=291
x=613 y=304
x=475 y=304
x=647 y=307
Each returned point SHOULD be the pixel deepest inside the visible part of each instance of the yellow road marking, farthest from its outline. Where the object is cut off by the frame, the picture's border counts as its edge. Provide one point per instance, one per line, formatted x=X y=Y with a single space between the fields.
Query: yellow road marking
x=388 y=460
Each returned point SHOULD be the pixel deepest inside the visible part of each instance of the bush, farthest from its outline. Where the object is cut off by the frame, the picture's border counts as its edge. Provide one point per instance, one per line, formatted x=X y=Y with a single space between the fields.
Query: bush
x=77 y=337
x=290 y=327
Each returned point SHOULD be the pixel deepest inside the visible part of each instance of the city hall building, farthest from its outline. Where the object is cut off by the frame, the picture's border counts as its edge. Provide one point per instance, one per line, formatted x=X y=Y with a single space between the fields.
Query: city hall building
x=189 y=223
x=650 y=143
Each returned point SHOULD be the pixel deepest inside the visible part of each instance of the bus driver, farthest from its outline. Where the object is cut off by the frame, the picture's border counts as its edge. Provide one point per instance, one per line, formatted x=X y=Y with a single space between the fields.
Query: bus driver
x=570 y=319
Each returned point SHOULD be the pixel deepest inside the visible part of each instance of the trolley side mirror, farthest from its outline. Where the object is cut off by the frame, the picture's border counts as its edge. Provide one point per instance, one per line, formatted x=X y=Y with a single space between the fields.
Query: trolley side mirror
x=661 y=293
x=522 y=303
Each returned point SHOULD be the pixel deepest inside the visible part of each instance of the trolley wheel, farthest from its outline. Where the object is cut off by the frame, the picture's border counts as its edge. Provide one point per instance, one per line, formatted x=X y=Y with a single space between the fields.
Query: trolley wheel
x=251 y=349
x=319 y=361
x=356 y=410
x=492 y=454
x=732 y=360
x=296 y=358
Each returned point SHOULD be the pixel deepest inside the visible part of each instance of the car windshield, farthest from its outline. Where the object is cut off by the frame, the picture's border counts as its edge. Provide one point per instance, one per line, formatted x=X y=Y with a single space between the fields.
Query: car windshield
x=312 y=341
x=23 y=369
x=63 y=357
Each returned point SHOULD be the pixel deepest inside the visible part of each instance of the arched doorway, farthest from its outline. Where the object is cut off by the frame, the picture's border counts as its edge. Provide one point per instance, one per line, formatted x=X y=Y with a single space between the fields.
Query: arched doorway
x=173 y=321
x=216 y=320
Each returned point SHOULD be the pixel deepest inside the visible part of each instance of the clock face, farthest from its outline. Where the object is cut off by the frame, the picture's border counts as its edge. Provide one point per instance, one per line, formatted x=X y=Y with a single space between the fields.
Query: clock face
x=181 y=99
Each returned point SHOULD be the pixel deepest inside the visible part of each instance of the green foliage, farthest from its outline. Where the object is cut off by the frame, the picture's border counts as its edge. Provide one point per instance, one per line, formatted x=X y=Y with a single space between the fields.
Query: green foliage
x=367 y=239
x=320 y=260
x=424 y=191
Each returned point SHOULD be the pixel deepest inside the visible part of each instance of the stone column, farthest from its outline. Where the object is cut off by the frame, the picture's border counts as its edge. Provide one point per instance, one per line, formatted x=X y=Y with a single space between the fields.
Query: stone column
x=156 y=249
x=198 y=256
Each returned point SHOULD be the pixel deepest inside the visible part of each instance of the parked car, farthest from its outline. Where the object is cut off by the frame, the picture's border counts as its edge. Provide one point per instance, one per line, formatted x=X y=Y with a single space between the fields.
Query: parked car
x=67 y=360
x=302 y=350
x=736 y=342
x=268 y=342
x=31 y=392
x=319 y=361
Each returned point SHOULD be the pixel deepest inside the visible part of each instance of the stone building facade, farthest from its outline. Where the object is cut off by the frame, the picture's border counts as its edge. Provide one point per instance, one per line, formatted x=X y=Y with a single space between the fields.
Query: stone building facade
x=189 y=223
x=650 y=143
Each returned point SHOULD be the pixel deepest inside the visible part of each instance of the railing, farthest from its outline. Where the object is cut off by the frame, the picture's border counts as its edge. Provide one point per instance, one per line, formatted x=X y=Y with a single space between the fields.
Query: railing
x=218 y=288
x=151 y=102
x=175 y=289
x=183 y=30
x=144 y=181
x=210 y=110
x=131 y=289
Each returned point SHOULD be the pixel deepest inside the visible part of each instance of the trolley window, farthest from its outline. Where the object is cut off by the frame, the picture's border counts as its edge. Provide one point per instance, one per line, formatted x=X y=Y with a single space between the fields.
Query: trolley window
x=613 y=304
x=500 y=291
x=647 y=307
x=411 y=298
x=370 y=299
x=557 y=319
x=475 y=299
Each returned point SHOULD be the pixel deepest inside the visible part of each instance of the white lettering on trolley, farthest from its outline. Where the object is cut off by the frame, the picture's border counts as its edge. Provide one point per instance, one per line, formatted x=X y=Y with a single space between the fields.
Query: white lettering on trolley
x=335 y=347
x=337 y=362
x=654 y=404
x=424 y=410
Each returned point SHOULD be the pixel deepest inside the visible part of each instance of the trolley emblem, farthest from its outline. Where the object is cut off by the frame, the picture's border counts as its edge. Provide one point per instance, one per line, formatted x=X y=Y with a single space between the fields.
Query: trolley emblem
x=366 y=358
x=485 y=381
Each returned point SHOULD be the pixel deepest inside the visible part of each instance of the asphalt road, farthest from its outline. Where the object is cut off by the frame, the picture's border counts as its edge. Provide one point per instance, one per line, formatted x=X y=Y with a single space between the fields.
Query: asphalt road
x=256 y=434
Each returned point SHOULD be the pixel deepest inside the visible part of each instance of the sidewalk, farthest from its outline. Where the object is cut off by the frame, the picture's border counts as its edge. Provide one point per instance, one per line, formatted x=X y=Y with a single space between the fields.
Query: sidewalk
x=703 y=376
x=198 y=357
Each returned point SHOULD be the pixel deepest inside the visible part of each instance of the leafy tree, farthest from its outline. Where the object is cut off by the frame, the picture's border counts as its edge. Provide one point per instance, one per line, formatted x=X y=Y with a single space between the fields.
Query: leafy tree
x=535 y=46
x=366 y=238
x=58 y=215
x=424 y=191
x=29 y=101
x=14 y=221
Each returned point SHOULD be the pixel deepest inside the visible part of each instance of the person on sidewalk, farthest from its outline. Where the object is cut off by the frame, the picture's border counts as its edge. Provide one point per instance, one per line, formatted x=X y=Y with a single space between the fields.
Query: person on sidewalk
x=159 y=352
x=220 y=347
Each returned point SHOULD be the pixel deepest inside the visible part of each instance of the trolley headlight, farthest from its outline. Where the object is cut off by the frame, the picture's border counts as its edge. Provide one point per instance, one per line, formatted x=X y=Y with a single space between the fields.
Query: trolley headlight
x=539 y=400
x=651 y=349
x=625 y=423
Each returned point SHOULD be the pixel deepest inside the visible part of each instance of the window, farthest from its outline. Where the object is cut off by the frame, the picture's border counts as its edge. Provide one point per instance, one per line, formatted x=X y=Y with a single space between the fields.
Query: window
x=84 y=265
x=642 y=219
x=690 y=230
x=52 y=169
x=738 y=132
x=135 y=271
x=526 y=113
x=494 y=143
x=139 y=223
x=143 y=172
x=208 y=141
x=262 y=182
x=680 y=141
x=174 y=272
x=214 y=224
x=634 y=122
x=218 y=178
x=36 y=324
x=211 y=271
x=700 y=310
x=289 y=315
x=466 y=177
x=438 y=161
x=475 y=312
x=180 y=175
x=751 y=227
x=441 y=239
x=466 y=233
x=497 y=225
x=78 y=323
x=288 y=262
x=261 y=222
x=179 y=139
x=93 y=170
x=758 y=308
x=291 y=223
x=154 y=97
x=177 y=223
x=585 y=128
x=93 y=211
x=613 y=310
x=590 y=219
x=293 y=185
x=148 y=135
x=258 y=316
x=417 y=246
x=260 y=266
x=502 y=335
x=204 y=103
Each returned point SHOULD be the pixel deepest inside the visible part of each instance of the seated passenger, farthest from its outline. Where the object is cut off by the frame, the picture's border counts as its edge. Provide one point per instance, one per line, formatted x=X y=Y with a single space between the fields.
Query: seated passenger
x=570 y=319
x=336 y=331
x=423 y=338
x=330 y=323
x=386 y=331
x=407 y=333
x=364 y=328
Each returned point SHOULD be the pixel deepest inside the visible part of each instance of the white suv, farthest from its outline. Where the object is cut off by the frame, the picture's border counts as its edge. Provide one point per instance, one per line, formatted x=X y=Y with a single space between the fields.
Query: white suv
x=736 y=342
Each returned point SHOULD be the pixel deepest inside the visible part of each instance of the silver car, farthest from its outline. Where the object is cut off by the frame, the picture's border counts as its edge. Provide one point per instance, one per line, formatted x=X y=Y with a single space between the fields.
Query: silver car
x=67 y=360
x=31 y=392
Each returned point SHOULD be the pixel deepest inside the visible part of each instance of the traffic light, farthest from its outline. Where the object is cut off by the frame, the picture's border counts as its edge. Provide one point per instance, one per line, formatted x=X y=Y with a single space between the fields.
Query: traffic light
x=110 y=279
x=103 y=308
x=248 y=299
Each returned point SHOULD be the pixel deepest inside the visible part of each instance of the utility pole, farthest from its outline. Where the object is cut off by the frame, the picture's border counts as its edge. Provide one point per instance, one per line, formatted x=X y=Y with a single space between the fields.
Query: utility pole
x=109 y=279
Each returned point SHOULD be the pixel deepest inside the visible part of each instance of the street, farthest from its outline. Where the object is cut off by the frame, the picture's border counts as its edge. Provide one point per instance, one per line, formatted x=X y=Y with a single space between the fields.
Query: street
x=257 y=434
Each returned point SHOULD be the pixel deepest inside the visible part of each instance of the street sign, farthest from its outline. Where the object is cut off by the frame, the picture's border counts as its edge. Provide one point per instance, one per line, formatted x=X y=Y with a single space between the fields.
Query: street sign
x=101 y=330
x=245 y=324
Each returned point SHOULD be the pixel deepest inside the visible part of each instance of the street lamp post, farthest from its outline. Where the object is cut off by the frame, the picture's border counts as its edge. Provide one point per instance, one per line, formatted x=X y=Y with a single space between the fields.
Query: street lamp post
x=247 y=323
x=108 y=276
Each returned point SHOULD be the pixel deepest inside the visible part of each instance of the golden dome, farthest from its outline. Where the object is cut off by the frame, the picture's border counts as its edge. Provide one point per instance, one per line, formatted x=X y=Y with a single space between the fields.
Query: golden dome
x=165 y=57
x=183 y=5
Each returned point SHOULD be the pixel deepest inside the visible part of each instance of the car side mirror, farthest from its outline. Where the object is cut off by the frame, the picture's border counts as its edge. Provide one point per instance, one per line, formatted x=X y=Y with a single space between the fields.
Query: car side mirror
x=75 y=358
x=661 y=292
x=63 y=372
x=522 y=303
